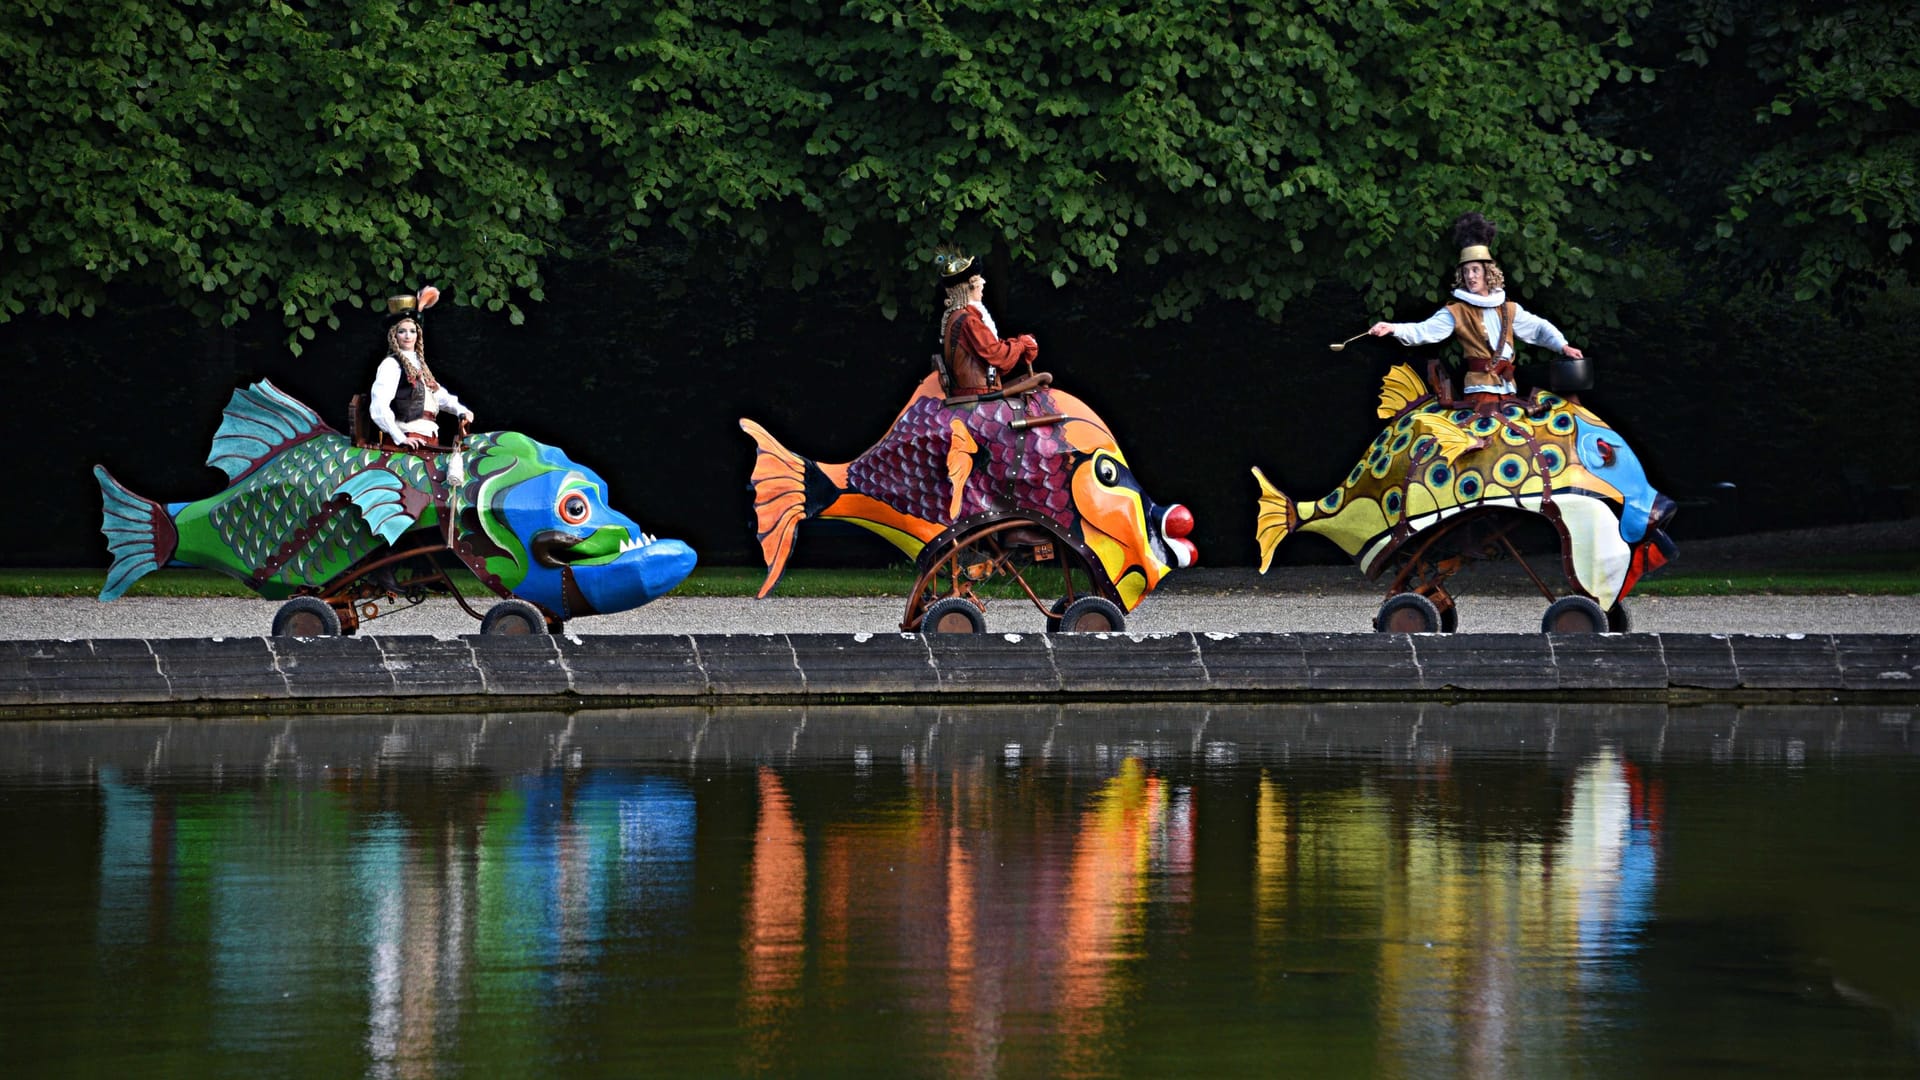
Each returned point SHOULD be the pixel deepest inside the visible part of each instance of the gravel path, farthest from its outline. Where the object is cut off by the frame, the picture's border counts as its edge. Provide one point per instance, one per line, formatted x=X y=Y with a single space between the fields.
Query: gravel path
x=1336 y=599
x=1167 y=610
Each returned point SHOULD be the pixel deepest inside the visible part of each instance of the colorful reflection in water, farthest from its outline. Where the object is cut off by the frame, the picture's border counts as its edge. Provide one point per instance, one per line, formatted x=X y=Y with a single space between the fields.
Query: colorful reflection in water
x=975 y=893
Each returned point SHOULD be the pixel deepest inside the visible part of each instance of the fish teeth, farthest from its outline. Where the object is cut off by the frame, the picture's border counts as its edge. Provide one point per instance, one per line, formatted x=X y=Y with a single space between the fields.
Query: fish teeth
x=635 y=545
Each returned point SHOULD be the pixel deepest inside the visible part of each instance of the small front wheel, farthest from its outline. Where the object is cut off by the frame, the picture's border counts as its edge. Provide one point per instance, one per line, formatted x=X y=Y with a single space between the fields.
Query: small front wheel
x=1574 y=615
x=953 y=615
x=1092 y=615
x=1408 y=613
x=1054 y=612
x=306 y=616
x=513 y=618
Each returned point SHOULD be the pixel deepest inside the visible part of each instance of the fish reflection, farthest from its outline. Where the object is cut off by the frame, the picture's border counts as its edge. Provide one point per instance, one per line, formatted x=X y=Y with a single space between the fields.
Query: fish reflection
x=501 y=896
x=990 y=929
x=776 y=921
x=1476 y=935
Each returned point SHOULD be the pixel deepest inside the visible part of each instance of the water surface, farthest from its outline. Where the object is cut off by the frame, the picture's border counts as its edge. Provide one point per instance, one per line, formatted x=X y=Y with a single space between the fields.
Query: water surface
x=1473 y=890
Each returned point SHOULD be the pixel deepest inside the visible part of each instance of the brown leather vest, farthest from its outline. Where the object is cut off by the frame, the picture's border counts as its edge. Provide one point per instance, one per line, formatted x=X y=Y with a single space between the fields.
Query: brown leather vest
x=1470 y=330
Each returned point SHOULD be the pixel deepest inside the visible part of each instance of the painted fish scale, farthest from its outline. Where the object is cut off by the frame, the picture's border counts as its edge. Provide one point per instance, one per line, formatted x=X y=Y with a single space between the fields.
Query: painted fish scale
x=902 y=470
x=1403 y=476
x=907 y=470
x=284 y=494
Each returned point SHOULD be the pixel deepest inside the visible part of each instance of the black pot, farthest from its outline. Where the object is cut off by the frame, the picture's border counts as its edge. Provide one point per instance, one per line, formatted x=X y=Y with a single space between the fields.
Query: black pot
x=1571 y=376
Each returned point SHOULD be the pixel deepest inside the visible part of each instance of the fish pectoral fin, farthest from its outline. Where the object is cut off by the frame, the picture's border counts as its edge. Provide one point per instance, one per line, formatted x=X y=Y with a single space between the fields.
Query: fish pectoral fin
x=959 y=462
x=380 y=496
x=1453 y=441
x=1277 y=519
x=1401 y=388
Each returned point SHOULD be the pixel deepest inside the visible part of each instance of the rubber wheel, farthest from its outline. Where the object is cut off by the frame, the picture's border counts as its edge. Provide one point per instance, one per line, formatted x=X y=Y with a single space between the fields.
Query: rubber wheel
x=306 y=616
x=1574 y=615
x=1618 y=621
x=1092 y=615
x=1058 y=609
x=1408 y=613
x=513 y=617
x=953 y=615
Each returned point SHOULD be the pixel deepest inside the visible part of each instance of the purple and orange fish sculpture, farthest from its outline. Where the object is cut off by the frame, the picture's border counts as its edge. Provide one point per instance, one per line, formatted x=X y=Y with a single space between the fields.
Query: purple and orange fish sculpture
x=1044 y=456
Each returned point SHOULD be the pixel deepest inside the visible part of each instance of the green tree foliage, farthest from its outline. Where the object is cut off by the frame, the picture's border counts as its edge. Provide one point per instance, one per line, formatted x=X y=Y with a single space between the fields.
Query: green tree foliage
x=1832 y=197
x=1255 y=149
x=246 y=156
x=292 y=157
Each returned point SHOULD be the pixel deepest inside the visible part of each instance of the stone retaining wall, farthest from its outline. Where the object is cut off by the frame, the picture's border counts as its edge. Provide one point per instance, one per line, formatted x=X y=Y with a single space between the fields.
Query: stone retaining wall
x=38 y=677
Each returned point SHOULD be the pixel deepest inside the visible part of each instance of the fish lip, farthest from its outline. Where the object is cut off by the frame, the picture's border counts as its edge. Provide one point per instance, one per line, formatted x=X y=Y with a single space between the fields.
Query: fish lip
x=555 y=548
x=1180 y=552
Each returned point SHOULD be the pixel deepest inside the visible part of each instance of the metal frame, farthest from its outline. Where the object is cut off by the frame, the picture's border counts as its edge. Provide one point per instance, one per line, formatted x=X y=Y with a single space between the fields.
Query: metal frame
x=984 y=533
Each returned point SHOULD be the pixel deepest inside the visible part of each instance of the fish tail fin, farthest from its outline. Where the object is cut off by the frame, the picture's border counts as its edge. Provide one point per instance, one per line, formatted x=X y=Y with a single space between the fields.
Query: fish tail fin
x=1277 y=519
x=787 y=489
x=140 y=534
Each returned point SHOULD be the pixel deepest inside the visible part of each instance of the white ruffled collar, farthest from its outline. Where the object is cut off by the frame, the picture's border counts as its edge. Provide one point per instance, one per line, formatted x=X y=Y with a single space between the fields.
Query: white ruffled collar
x=1492 y=300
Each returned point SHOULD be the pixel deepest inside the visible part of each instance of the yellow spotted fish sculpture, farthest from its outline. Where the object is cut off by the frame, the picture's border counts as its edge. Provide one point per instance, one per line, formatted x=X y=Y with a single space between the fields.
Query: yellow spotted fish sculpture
x=1433 y=463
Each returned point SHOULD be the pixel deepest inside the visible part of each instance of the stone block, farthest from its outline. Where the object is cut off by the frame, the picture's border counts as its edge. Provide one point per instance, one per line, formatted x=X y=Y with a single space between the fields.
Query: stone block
x=994 y=663
x=1609 y=661
x=1360 y=661
x=749 y=664
x=331 y=667
x=1699 y=661
x=519 y=664
x=1886 y=662
x=633 y=665
x=219 y=669
x=1786 y=662
x=107 y=671
x=1129 y=663
x=882 y=663
x=423 y=666
x=1254 y=661
x=1481 y=662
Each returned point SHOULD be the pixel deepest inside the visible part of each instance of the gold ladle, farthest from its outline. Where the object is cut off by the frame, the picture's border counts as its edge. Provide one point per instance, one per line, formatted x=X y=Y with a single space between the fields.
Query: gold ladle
x=1342 y=345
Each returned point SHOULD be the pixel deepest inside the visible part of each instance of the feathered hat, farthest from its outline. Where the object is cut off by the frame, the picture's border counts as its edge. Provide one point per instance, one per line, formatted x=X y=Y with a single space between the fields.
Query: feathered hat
x=954 y=266
x=1474 y=233
x=411 y=307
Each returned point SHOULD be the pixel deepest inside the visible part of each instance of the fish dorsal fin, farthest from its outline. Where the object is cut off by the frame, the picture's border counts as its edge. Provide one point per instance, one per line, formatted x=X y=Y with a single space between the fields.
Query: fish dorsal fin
x=259 y=422
x=1401 y=388
x=1453 y=441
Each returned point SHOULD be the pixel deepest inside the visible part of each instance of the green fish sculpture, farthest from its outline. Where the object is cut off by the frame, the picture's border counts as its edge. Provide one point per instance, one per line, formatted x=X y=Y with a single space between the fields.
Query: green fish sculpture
x=304 y=505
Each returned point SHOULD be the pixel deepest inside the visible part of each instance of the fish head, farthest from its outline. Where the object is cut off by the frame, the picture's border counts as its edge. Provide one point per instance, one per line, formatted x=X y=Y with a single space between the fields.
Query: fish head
x=549 y=532
x=1606 y=467
x=1136 y=539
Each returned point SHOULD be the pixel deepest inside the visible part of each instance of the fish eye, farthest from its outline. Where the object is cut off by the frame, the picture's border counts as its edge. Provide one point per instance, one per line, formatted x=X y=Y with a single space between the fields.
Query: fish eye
x=1107 y=471
x=573 y=508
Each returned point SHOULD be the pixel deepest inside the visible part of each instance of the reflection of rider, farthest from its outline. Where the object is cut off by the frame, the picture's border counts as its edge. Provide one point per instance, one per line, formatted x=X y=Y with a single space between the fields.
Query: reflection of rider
x=969 y=341
x=1481 y=317
x=406 y=398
